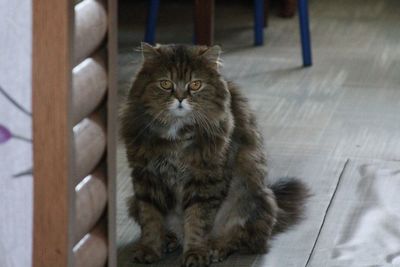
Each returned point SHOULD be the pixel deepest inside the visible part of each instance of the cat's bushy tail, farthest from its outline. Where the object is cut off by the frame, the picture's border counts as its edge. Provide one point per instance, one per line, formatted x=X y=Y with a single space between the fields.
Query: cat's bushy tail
x=291 y=195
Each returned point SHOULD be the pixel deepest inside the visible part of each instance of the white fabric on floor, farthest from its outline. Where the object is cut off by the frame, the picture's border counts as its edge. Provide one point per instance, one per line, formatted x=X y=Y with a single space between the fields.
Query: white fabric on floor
x=362 y=227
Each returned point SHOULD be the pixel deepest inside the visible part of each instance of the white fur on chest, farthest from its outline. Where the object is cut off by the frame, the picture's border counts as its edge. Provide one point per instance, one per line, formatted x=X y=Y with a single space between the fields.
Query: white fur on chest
x=173 y=130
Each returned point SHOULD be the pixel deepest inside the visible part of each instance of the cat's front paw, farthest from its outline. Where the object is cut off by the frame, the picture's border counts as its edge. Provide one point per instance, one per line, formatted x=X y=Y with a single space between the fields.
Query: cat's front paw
x=220 y=249
x=172 y=242
x=219 y=254
x=145 y=254
x=196 y=258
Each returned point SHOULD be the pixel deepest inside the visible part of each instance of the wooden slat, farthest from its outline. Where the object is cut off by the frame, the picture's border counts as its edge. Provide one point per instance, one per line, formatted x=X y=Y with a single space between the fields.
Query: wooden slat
x=91 y=200
x=90 y=144
x=52 y=132
x=90 y=28
x=111 y=131
x=91 y=251
x=89 y=86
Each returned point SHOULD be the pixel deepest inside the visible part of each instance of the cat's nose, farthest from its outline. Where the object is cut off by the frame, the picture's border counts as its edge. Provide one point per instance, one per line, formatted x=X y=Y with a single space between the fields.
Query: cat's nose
x=180 y=103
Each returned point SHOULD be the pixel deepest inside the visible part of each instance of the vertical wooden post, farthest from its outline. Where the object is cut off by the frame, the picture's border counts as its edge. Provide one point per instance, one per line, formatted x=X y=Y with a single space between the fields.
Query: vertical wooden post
x=266 y=12
x=204 y=22
x=112 y=50
x=52 y=133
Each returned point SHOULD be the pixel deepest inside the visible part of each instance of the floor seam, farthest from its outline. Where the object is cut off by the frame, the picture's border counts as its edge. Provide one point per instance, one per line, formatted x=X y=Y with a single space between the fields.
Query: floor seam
x=327 y=210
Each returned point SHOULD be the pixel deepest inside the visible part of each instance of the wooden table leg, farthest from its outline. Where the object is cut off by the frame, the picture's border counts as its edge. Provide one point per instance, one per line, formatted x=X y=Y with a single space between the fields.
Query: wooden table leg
x=266 y=12
x=204 y=22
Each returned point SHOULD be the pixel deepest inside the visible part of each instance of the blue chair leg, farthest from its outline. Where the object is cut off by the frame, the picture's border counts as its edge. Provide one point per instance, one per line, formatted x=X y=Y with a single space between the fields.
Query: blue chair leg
x=151 y=22
x=259 y=22
x=305 y=32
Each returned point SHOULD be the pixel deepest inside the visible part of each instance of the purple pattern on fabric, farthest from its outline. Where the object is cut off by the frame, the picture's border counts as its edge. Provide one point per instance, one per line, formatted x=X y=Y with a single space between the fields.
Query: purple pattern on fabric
x=5 y=134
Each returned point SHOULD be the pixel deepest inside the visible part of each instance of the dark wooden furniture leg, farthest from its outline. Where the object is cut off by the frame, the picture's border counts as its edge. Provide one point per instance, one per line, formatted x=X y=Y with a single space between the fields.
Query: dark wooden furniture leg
x=288 y=8
x=204 y=22
x=266 y=12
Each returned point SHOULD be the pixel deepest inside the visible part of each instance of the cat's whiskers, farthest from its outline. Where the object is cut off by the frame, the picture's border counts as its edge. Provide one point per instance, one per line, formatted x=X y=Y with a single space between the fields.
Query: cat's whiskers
x=202 y=120
x=212 y=127
x=148 y=125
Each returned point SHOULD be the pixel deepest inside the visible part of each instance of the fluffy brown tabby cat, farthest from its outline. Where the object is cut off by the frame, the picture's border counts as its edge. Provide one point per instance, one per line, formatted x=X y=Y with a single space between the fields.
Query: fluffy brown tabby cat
x=198 y=162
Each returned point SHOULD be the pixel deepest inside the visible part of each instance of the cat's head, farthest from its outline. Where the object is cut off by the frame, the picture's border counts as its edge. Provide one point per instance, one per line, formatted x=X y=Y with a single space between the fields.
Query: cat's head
x=178 y=82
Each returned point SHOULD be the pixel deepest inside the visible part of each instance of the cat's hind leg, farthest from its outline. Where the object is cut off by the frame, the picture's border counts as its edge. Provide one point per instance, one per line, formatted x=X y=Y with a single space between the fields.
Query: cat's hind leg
x=261 y=222
x=244 y=224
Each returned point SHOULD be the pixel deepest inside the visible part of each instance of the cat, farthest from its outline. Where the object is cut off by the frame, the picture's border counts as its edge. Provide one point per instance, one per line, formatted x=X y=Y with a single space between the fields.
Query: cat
x=197 y=162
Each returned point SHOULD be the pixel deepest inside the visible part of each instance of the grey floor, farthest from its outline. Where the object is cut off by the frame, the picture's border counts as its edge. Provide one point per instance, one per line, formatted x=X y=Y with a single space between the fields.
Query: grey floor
x=321 y=124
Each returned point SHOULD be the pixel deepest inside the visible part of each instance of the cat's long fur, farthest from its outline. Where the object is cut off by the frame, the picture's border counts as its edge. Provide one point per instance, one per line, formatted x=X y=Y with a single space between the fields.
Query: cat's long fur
x=198 y=178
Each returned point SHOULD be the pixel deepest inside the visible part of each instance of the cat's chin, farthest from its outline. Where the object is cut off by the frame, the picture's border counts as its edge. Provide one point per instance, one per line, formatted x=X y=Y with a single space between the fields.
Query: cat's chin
x=179 y=113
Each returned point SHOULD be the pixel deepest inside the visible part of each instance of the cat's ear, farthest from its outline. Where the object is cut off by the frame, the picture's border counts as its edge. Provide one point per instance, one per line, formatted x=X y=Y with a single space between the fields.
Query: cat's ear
x=212 y=54
x=149 y=51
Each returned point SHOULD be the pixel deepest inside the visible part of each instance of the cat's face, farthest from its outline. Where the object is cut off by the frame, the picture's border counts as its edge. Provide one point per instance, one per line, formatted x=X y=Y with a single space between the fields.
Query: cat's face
x=181 y=83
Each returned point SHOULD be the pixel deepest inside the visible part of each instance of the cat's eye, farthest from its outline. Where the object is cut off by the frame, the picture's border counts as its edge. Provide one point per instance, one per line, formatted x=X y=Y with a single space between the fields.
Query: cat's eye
x=195 y=85
x=165 y=84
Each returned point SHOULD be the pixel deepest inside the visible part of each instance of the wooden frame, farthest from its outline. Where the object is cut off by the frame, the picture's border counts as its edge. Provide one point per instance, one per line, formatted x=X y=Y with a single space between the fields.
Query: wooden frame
x=53 y=154
x=52 y=133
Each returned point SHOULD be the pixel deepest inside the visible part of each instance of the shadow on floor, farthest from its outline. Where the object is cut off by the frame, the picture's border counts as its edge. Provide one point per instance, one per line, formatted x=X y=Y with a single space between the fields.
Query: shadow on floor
x=124 y=258
x=174 y=259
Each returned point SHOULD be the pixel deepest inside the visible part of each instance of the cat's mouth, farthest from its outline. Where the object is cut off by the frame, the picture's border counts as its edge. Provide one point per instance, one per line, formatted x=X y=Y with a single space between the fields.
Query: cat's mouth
x=180 y=112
